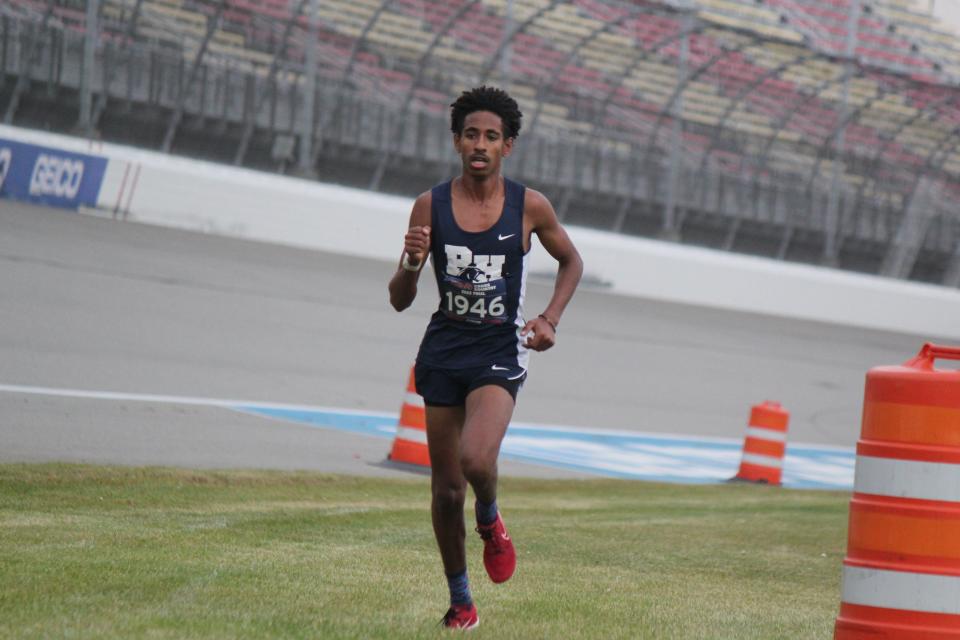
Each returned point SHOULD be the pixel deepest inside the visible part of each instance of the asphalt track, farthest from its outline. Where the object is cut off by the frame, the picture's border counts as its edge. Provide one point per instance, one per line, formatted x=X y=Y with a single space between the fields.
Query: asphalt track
x=103 y=306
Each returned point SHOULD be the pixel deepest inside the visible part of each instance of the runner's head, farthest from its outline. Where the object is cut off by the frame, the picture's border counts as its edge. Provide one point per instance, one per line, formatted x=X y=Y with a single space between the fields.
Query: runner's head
x=490 y=99
x=485 y=121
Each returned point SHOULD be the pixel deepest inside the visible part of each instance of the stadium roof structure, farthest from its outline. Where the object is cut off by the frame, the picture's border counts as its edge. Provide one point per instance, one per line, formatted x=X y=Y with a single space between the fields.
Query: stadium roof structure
x=825 y=131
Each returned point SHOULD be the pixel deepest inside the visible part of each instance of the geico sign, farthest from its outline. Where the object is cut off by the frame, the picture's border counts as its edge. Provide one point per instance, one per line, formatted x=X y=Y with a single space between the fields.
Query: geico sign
x=56 y=176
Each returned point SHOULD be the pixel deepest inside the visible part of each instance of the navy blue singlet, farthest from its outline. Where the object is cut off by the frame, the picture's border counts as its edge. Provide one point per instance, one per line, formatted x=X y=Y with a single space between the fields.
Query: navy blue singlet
x=481 y=277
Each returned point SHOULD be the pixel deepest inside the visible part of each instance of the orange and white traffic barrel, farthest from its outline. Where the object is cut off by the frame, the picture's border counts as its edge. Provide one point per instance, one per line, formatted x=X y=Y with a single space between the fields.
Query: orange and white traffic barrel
x=410 y=443
x=765 y=444
x=901 y=575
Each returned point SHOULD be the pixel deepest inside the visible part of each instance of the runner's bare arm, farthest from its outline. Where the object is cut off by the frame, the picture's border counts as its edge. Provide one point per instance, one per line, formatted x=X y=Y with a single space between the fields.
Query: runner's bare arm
x=416 y=248
x=542 y=220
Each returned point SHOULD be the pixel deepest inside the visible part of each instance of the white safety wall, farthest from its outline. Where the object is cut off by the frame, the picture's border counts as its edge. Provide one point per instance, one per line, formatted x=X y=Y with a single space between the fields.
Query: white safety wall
x=160 y=189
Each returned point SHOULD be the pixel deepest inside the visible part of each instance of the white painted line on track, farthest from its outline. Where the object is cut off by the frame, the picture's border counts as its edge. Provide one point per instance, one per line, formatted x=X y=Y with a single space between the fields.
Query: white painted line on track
x=165 y=399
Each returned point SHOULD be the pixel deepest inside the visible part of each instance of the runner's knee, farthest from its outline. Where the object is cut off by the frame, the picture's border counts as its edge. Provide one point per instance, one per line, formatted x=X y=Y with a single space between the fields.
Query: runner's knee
x=449 y=497
x=477 y=468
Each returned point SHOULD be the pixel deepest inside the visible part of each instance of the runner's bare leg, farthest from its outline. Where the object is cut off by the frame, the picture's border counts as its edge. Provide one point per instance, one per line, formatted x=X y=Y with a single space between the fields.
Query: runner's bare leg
x=487 y=416
x=448 y=484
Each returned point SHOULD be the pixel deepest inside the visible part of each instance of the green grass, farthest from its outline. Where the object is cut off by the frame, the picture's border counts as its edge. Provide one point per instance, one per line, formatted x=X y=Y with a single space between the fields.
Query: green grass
x=104 y=552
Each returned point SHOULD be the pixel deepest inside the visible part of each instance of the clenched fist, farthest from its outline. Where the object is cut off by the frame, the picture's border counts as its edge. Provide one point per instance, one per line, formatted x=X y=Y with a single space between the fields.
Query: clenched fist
x=417 y=244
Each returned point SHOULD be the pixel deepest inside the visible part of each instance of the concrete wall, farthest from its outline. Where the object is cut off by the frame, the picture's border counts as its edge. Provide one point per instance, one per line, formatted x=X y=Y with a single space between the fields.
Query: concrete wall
x=153 y=188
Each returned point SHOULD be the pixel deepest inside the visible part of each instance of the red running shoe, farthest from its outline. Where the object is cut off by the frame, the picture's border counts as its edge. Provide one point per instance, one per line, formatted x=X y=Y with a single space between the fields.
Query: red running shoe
x=499 y=557
x=461 y=616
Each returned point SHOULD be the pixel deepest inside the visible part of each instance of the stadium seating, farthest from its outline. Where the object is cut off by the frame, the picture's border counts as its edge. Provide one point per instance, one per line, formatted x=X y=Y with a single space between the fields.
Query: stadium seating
x=561 y=33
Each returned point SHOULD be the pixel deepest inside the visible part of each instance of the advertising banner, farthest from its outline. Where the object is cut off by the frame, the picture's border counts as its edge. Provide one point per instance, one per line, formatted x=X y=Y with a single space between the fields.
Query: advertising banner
x=49 y=176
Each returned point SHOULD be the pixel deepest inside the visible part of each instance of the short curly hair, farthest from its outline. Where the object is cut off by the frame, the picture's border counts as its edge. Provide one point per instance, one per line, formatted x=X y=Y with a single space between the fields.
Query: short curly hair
x=489 y=99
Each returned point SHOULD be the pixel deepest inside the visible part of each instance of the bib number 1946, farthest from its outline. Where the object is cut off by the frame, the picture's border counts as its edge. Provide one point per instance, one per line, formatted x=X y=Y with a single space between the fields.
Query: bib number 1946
x=476 y=308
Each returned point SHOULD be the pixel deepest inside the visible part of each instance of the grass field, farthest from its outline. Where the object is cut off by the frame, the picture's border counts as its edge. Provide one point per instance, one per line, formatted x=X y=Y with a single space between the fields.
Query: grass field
x=104 y=552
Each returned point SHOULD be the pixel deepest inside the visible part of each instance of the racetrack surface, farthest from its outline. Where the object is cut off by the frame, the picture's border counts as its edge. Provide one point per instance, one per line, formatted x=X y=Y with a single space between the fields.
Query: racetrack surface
x=107 y=306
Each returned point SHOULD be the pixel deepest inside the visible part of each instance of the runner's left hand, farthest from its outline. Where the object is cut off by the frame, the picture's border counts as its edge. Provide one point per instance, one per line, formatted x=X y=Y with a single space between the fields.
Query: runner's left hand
x=539 y=334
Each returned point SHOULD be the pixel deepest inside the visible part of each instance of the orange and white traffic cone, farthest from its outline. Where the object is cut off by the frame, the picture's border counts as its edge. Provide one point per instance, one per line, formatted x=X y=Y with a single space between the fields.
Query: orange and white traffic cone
x=410 y=443
x=901 y=574
x=765 y=444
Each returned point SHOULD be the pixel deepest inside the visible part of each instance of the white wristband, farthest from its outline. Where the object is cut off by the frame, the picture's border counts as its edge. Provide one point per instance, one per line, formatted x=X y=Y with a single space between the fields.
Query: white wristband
x=405 y=263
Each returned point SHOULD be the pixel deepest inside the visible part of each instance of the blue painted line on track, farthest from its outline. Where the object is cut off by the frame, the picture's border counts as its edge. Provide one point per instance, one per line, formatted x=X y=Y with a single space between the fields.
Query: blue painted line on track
x=615 y=454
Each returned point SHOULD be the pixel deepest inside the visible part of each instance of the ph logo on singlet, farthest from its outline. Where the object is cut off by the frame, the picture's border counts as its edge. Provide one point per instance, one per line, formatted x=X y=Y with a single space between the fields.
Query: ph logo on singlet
x=463 y=264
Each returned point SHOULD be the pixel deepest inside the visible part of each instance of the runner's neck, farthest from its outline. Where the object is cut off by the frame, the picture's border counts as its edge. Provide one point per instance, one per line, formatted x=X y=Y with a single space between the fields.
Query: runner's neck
x=482 y=193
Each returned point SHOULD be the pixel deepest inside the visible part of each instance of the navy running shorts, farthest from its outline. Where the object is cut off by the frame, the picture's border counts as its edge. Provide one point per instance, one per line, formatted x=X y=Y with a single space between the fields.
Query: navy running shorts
x=450 y=387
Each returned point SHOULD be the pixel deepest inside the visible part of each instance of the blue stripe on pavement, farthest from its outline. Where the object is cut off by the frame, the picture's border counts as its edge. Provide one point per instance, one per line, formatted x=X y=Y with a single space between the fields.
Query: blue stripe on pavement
x=616 y=454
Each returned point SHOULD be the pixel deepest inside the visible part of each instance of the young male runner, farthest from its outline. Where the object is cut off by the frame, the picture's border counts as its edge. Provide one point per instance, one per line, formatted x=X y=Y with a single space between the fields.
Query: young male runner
x=473 y=357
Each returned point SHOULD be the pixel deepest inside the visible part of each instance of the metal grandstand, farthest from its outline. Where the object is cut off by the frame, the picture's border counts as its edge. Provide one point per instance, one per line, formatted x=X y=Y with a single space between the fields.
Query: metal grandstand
x=820 y=131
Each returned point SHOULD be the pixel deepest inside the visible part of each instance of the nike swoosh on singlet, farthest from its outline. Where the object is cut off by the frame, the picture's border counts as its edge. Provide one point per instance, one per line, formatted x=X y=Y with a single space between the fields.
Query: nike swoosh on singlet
x=496 y=368
x=503 y=237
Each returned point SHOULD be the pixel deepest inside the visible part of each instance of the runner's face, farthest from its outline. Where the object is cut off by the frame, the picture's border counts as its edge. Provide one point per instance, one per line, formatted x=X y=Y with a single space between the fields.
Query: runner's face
x=481 y=145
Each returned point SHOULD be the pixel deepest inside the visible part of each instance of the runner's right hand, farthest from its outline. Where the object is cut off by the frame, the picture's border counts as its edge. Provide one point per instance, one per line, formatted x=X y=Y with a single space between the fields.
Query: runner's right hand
x=417 y=243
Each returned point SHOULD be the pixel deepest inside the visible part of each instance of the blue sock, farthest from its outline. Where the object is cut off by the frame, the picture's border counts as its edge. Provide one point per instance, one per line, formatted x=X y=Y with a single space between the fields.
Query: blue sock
x=486 y=513
x=459 y=588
